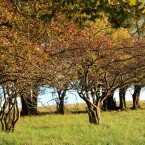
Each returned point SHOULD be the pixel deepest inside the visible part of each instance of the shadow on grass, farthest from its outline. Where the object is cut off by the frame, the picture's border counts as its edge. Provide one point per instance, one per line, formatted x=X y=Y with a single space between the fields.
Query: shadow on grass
x=78 y=112
x=71 y=112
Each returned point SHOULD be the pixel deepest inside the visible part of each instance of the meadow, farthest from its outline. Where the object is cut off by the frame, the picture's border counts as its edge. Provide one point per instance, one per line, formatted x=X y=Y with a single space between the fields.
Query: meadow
x=117 y=128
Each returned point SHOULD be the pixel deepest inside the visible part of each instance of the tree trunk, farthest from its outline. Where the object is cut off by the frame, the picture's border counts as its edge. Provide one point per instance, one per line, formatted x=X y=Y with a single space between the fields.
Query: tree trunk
x=122 y=92
x=136 y=97
x=29 y=101
x=9 y=113
x=61 y=95
x=61 y=105
x=33 y=108
x=109 y=103
x=9 y=117
x=105 y=106
x=25 y=108
x=94 y=113
x=29 y=105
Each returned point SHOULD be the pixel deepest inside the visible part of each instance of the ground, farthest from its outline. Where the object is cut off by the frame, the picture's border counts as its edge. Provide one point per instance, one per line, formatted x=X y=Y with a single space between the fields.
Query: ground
x=118 y=128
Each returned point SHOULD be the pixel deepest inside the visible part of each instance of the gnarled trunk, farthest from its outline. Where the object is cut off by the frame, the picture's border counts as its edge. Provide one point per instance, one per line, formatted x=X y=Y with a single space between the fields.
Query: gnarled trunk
x=94 y=112
x=9 y=114
x=122 y=92
x=136 y=97
x=9 y=117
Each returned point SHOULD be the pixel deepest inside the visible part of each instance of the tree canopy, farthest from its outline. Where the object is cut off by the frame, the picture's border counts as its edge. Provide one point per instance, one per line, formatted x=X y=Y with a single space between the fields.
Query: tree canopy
x=118 y=12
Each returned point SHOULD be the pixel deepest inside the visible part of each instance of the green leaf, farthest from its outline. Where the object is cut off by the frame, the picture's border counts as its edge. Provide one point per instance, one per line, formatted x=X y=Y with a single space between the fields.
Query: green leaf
x=132 y=2
x=47 y=17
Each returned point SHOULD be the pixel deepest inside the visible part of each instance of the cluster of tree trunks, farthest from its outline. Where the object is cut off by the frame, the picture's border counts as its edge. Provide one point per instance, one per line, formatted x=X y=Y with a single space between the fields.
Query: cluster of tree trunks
x=135 y=97
x=29 y=105
x=9 y=113
x=110 y=104
x=9 y=117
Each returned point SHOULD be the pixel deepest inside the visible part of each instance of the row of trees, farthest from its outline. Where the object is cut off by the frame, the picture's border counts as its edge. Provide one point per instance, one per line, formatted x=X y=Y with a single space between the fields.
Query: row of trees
x=41 y=46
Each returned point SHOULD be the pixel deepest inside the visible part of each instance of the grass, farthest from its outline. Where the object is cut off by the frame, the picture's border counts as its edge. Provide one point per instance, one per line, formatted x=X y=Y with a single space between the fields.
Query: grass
x=118 y=128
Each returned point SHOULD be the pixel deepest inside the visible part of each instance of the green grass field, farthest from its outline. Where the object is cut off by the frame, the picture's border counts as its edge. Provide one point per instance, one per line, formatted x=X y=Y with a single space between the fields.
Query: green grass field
x=118 y=128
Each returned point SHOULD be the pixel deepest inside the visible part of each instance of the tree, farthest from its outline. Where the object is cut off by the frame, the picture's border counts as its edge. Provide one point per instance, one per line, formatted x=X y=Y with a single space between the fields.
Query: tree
x=19 y=53
x=105 y=64
x=117 y=11
x=102 y=61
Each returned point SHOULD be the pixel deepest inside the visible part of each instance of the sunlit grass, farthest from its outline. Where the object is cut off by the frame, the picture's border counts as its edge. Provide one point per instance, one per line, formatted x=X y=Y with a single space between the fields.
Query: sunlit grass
x=118 y=128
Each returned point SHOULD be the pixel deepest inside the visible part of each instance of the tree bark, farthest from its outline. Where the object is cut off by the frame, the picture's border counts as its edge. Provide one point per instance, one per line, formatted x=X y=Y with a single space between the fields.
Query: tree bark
x=136 y=97
x=94 y=113
x=33 y=108
x=61 y=95
x=9 y=112
x=29 y=101
x=61 y=105
x=109 y=103
x=122 y=92
x=105 y=106
x=25 y=108
x=29 y=105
